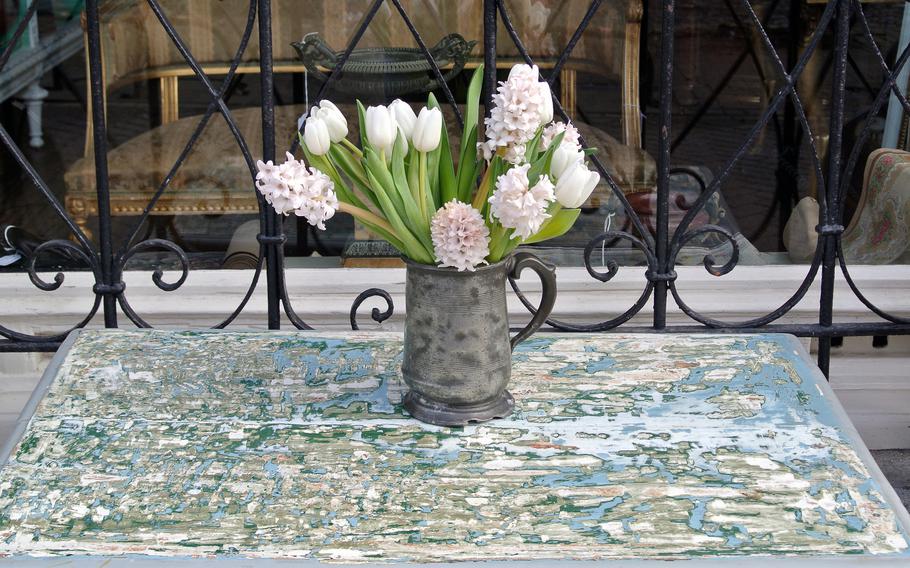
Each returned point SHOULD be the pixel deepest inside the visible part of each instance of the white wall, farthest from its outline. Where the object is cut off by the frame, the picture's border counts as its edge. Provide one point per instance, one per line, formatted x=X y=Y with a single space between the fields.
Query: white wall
x=874 y=385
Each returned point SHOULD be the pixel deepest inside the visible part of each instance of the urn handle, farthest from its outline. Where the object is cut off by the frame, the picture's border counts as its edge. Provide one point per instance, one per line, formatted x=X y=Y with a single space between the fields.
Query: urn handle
x=547 y=274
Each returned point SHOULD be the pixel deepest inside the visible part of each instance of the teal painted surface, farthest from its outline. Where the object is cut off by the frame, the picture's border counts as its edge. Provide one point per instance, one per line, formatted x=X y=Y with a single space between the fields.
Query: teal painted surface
x=292 y=445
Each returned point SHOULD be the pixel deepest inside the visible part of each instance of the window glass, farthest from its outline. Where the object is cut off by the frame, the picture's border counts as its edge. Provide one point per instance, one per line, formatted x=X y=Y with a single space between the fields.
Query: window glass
x=725 y=78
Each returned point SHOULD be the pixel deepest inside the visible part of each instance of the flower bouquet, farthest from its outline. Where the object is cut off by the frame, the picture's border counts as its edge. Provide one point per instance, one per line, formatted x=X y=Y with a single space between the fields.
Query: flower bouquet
x=456 y=217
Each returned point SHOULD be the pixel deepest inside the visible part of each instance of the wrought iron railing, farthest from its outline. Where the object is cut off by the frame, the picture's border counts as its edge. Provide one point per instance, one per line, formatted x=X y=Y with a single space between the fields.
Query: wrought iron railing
x=107 y=260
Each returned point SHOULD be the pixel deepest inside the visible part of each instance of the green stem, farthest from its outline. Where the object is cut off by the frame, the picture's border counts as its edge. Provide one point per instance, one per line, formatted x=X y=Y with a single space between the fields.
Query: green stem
x=350 y=146
x=422 y=184
x=511 y=244
x=553 y=210
x=498 y=238
x=367 y=216
x=480 y=197
x=508 y=244
x=336 y=177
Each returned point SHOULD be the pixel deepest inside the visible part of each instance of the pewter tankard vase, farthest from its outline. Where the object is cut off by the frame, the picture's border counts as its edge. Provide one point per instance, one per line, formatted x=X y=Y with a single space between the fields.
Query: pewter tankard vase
x=457 y=350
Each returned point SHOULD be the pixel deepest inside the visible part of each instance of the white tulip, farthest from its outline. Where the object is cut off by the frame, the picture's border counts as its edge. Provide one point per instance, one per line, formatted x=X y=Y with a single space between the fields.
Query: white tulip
x=334 y=120
x=575 y=185
x=381 y=128
x=316 y=136
x=428 y=130
x=563 y=157
x=404 y=140
x=404 y=116
x=546 y=107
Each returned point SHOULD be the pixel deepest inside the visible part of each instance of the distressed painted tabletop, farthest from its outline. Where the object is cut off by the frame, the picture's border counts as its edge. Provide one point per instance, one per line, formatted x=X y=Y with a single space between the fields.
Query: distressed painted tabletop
x=274 y=445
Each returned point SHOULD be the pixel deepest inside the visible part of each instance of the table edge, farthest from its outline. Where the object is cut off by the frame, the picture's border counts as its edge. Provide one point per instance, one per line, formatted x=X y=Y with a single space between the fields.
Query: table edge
x=849 y=430
x=41 y=389
x=152 y=561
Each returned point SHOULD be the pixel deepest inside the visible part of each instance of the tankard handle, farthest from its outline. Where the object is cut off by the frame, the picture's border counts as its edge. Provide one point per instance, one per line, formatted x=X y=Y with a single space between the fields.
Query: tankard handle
x=547 y=274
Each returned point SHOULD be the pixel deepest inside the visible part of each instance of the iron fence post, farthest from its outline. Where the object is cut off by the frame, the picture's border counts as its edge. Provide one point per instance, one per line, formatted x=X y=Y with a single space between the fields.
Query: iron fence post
x=270 y=225
x=830 y=228
x=489 y=55
x=662 y=237
x=99 y=141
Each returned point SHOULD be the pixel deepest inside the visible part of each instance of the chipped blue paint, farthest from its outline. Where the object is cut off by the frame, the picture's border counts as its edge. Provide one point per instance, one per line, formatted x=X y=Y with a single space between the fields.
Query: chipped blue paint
x=294 y=445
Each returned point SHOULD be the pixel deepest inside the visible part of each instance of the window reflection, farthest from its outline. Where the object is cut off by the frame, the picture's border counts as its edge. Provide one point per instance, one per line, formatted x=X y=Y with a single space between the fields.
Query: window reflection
x=725 y=78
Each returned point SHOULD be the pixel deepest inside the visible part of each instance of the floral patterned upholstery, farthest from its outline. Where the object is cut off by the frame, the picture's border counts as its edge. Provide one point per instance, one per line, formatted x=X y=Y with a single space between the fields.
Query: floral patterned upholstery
x=879 y=232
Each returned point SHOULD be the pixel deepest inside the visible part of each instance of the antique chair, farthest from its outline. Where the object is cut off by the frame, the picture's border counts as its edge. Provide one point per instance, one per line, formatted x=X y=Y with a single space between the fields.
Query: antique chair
x=214 y=178
x=879 y=230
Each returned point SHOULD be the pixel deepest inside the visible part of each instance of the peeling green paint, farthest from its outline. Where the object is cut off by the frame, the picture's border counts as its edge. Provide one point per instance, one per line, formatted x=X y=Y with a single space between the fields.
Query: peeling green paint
x=293 y=445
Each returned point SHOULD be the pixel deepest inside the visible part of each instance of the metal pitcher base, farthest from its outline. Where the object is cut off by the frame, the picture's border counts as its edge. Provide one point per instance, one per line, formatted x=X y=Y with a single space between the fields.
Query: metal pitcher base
x=445 y=414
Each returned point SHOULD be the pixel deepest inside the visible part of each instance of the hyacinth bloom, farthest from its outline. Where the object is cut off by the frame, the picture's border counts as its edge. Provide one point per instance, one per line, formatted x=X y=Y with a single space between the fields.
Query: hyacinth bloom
x=401 y=182
x=522 y=104
x=571 y=137
x=518 y=206
x=293 y=188
x=460 y=237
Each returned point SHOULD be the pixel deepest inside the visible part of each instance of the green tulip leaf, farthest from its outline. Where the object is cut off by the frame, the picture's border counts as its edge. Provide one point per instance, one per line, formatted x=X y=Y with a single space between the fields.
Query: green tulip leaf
x=412 y=247
x=472 y=111
x=448 y=190
x=433 y=161
x=362 y=117
x=542 y=164
x=556 y=226
x=531 y=148
x=385 y=184
x=353 y=169
x=468 y=167
x=400 y=179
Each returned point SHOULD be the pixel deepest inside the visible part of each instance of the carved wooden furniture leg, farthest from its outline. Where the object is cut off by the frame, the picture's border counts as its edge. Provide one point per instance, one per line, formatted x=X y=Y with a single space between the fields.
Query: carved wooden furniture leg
x=77 y=208
x=170 y=99
x=631 y=101
x=567 y=81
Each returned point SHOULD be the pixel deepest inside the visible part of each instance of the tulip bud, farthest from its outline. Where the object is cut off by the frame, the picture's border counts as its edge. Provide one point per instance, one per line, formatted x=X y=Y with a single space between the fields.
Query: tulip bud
x=334 y=120
x=381 y=128
x=546 y=110
x=564 y=156
x=575 y=185
x=316 y=136
x=428 y=129
x=404 y=116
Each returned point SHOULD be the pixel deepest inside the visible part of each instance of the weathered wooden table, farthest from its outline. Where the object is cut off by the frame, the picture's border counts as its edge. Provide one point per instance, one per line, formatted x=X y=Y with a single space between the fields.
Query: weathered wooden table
x=724 y=450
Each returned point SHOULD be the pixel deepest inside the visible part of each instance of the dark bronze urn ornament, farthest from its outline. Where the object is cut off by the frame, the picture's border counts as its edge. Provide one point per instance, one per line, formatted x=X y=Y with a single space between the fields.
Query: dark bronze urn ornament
x=389 y=71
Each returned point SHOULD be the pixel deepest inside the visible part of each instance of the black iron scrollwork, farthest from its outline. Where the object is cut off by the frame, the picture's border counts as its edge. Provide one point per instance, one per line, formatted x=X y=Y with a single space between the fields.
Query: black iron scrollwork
x=74 y=250
x=661 y=250
x=377 y=315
